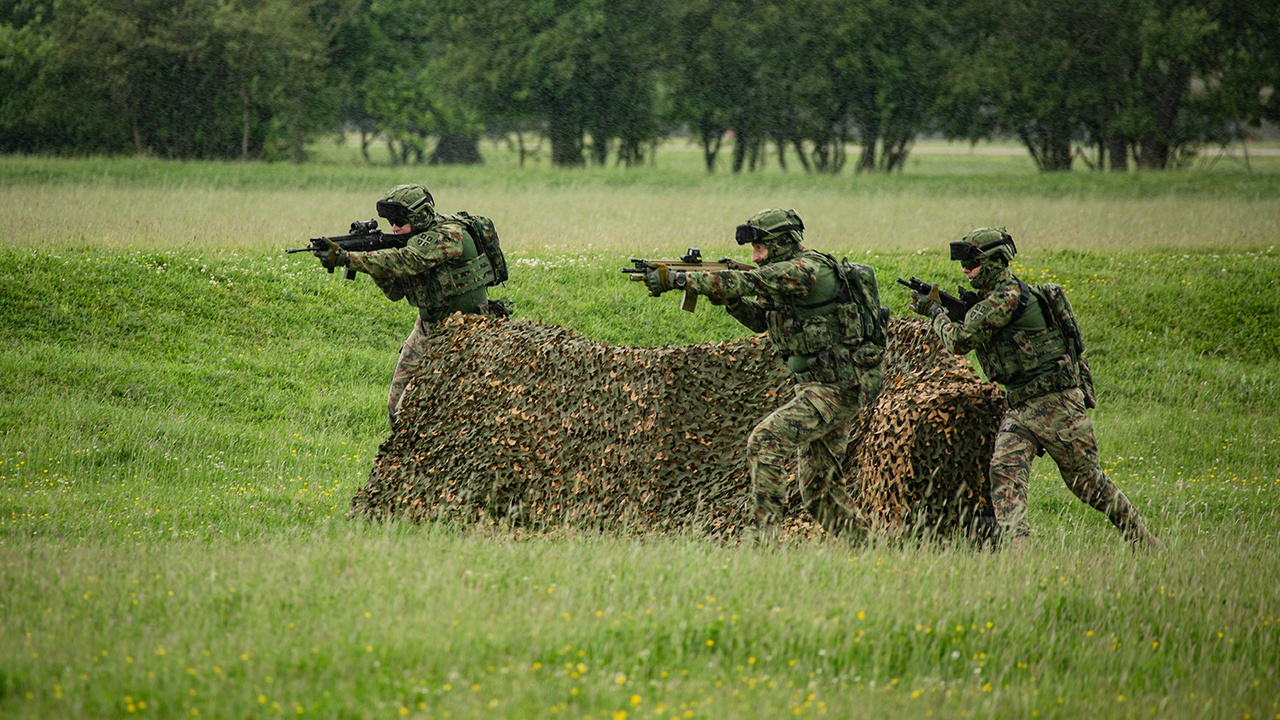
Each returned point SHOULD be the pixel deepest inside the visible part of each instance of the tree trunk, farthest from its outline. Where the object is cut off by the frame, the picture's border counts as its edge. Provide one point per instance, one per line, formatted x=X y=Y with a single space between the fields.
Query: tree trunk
x=299 y=143
x=599 y=150
x=711 y=147
x=566 y=140
x=456 y=149
x=893 y=156
x=1156 y=150
x=1051 y=153
x=739 y=152
x=798 y=144
x=755 y=156
x=1118 y=149
x=244 y=119
x=867 y=158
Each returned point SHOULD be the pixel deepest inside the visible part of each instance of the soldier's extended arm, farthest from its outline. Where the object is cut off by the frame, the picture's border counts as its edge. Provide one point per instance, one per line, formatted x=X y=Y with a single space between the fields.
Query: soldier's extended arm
x=363 y=237
x=663 y=275
x=750 y=313
x=423 y=252
x=795 y=278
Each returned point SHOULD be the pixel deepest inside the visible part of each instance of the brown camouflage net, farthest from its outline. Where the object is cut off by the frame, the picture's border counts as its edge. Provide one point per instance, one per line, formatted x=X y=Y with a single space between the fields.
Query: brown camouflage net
x=537 y=427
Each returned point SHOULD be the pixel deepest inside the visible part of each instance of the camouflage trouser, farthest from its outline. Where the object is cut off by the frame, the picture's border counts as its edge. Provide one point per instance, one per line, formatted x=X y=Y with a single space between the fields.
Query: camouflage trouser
x=1056 y=423
x=407 y=366
x=817 y=423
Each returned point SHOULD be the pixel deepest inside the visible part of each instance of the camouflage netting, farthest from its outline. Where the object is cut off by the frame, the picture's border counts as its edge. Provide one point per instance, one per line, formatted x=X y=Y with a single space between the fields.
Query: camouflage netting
x=532 y=425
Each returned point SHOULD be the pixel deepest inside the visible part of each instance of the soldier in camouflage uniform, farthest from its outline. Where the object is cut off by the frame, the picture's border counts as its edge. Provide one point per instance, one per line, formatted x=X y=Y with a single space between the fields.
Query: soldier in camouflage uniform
x=440 y=271
x=833 y=342
x=1021 y=349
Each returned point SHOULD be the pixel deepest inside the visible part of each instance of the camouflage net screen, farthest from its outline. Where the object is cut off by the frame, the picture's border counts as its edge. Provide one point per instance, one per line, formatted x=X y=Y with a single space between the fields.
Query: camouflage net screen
x=534 y=426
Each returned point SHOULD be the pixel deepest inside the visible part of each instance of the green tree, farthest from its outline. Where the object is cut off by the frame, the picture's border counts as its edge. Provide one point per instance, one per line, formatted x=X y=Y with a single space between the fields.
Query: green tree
x=1031 y=71
x=197 y=78
x=26 y=52
x=1117 y=74
x=713 y=60
x=568 y=66
x=1243 y=87
x=275 y=52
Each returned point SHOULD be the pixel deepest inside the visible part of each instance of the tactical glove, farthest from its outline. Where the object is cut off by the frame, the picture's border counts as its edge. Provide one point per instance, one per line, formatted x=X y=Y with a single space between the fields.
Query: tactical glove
x=928 y=304
x=331 y=256
x=661 y=279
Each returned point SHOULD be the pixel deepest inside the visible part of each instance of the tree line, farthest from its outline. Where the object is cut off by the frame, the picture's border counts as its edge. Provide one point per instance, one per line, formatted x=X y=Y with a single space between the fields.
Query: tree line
x=1139 y=82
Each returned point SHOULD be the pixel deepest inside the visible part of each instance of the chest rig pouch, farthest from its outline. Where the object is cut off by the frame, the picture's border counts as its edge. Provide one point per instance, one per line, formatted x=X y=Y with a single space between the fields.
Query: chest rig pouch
x=827 y=334
x=1029 y=356
x=436 y=289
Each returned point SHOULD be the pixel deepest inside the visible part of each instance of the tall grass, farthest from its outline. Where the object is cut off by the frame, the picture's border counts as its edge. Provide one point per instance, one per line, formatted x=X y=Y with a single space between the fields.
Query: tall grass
x=382 y=622
x=185 y=413
x=646 y=219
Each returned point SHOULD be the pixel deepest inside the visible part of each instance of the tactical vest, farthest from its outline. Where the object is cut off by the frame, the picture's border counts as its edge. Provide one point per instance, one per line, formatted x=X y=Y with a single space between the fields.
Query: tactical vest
x=1029 y=356
x=459 y=285
x=826 y=336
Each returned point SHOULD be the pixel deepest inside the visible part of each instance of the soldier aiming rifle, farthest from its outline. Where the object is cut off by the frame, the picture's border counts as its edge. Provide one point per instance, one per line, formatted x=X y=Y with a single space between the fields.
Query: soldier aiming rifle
x=825 y=320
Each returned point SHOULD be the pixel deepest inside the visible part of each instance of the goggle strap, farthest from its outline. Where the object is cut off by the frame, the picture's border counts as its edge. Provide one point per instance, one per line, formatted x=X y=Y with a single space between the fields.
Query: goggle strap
x=969 y=251
x=754 y=234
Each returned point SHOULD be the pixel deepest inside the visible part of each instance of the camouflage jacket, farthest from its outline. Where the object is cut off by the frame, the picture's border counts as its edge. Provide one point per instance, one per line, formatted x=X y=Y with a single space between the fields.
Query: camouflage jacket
x=774 y=284
x=440 y=270
x=1018 y=349
x=798 y=303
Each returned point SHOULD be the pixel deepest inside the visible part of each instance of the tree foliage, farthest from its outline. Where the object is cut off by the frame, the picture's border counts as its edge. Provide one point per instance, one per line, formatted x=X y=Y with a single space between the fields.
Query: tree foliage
x=1135 y=81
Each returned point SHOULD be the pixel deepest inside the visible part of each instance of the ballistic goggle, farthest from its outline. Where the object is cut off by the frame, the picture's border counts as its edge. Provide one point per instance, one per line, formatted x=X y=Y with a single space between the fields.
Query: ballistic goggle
x=963 y=251
x=397 y=213
x=751 y=234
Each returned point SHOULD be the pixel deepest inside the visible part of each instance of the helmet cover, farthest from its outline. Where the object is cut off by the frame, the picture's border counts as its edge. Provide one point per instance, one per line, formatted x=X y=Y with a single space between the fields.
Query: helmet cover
x=779 y=231
x=408 y=204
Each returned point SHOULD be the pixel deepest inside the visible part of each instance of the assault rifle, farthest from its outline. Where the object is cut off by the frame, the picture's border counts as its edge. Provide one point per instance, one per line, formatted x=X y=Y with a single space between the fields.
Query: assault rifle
x=364 y=236
x=957 y=307
x=691 y=261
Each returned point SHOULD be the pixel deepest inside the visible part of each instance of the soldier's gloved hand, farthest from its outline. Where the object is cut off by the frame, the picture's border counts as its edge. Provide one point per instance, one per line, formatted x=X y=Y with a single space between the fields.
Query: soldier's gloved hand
x=331 y=256
x=927 y=304
x=661 y=279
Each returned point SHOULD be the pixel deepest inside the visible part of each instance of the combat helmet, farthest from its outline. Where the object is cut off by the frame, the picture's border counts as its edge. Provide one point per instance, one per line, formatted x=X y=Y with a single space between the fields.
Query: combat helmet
x=983 y=245
x=780 y=231
x=990 y=247
x=411 y=203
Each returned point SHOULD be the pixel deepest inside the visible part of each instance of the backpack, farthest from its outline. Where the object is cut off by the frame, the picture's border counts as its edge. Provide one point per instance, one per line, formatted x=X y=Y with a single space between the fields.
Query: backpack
x=486 y=237
x=861 y=283
x=1053 y=299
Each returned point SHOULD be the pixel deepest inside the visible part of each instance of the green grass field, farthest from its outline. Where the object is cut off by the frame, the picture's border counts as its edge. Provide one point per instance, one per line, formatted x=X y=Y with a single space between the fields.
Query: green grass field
x=185 y=413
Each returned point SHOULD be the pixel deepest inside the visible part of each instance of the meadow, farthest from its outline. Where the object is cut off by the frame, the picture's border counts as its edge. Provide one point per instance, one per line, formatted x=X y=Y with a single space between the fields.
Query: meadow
x=185 y=413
